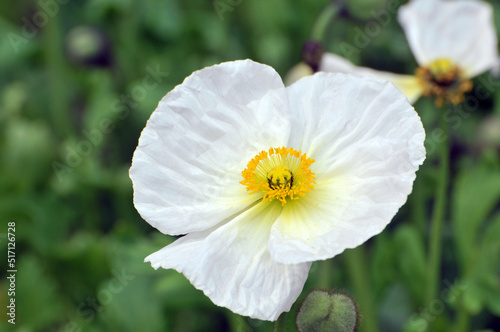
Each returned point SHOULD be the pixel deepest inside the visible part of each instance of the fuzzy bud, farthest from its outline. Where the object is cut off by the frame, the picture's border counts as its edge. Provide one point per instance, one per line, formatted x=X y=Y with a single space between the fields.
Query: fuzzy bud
x=322 y=311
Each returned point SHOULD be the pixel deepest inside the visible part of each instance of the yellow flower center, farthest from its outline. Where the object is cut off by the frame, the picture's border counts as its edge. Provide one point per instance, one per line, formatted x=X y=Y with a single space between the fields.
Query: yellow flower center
x=443 y=80
x=280 y=173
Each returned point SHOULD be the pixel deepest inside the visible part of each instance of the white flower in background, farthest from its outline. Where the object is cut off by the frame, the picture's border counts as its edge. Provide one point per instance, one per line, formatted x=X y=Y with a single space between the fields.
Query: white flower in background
x=452 y=42
x=408 y=84
x=265 y=179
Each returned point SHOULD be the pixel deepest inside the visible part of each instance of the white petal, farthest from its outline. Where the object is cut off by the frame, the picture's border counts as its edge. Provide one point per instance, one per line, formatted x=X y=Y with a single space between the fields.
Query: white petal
x=232 y=265
x=367 y=142
x=187 y=167
x=462 y=31
x=408 y=84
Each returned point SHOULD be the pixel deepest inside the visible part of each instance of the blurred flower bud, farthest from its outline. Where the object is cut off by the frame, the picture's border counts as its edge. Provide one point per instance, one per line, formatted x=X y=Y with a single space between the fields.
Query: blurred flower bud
x=488 y=134
x=322 y=311
x=297 y=72
x=12 y=99
x=312 y=52
x=88 y=46
x=27 y=151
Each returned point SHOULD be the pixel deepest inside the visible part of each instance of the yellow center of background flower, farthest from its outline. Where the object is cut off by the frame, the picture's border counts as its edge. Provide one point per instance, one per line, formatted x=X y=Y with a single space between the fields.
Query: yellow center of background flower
x=444 y=80
x=280 y=173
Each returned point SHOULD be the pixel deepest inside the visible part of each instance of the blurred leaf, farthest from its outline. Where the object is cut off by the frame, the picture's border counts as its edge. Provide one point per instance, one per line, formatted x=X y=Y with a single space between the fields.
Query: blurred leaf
x=490 y=253
x=76 y=231
x=131 y=252
x=38 y=303
x=477 y=192
x=13 y=98
x=27 y=152
x=411 y=258
x=472 y=297
x=215 y=34
x=482 y=278
x=164 y=18
x=382 y=262
x=177 y=292
x=49 y=223
x=100 y=112
x=395 y=307
x=273 y=48
x=15 y=45
x=367 y=9
x=130 y=305
x=100 y=8
x=78 y=255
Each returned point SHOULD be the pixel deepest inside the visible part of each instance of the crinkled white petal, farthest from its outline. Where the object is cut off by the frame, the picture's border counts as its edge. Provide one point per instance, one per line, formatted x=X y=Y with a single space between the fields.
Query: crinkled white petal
x=462 y=31
x=367 y=141
x=232 y=265
x=408 y=84
x=187 y=166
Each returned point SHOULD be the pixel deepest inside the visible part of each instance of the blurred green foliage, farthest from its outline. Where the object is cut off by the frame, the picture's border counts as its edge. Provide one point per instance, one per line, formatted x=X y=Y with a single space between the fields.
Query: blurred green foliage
x=79 y=81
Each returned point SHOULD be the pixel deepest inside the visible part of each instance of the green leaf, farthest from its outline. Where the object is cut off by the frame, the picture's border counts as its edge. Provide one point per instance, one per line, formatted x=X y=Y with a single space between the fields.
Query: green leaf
x=28 y=150
x=371 y=10
x=130 y=305
x=477 y=192
x=382 y=264
x=411 y=260
x=164 y=18
x=38 y=305
x=482 y=276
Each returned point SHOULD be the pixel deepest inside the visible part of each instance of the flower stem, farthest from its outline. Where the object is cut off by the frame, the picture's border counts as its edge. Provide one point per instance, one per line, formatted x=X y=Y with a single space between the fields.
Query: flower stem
x=324 y=274
x=323 y=21
x=434 y=259
x=236 y=322
x=59 y=96
x=280 y=325
x=463 y=320
x=356 y=265
x=418 y=205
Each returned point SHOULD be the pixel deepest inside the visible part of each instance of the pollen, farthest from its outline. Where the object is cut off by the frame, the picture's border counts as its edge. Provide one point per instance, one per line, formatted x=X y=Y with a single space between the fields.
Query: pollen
x=443 y=80
x=279 y=173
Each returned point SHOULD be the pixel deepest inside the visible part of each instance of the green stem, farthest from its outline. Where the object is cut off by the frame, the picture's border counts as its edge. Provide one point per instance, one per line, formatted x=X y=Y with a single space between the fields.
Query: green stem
x=356 y=265
x=418 y=205
x=236 y=322
x=128 y=37
x=463 y=320
x=59 y=94
x=323 y=21
x=324 y=273
x=280 y=325
x=434 y=259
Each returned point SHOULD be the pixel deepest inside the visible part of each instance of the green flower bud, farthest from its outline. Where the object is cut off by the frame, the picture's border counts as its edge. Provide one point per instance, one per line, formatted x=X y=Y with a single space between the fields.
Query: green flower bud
x=322 y=311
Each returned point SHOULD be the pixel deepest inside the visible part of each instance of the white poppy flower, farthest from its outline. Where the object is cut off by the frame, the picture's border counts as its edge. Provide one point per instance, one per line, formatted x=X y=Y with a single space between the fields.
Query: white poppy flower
x=452 y=42
x=265 y=179
x=408 y=84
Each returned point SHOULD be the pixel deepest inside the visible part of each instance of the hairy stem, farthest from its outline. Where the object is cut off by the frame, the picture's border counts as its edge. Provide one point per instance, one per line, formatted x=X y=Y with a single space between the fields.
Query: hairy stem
x=434 y=258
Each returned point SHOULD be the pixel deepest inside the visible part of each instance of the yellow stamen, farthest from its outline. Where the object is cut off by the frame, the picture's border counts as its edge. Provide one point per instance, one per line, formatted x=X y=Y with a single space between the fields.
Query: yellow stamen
x=443 y=80
x=281 y=173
